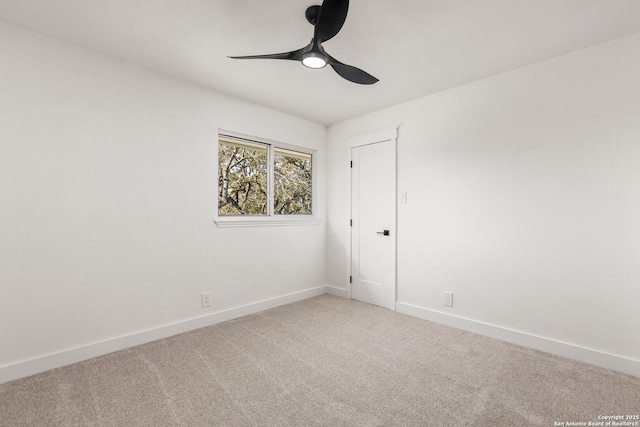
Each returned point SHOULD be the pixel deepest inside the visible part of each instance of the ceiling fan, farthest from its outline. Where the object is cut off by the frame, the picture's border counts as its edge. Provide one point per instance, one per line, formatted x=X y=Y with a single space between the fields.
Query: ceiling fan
x=327 y=21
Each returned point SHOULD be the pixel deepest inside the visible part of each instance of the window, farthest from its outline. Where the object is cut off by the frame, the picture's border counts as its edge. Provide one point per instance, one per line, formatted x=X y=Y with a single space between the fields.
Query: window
x=263 y=180
x=292 y=182
x=242 y=177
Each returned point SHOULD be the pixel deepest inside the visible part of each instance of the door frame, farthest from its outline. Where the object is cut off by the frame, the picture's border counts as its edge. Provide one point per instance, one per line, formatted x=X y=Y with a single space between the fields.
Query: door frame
x=390 y=134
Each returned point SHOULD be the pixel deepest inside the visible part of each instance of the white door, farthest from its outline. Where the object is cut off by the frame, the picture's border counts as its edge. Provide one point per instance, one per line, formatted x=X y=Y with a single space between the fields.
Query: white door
x=373 y=229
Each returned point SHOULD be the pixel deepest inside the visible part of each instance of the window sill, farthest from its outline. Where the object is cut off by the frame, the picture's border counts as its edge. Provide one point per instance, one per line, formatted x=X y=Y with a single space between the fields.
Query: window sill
x=265 y=222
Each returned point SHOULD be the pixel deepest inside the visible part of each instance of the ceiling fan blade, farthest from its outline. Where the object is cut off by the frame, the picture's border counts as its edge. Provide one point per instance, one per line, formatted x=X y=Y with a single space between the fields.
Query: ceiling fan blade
x=330 y=20
x=351 y=73
x=295 y=55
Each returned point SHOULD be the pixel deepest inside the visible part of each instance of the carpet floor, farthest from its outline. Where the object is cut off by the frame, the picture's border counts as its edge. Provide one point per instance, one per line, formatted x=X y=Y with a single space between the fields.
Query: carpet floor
x=325 y=361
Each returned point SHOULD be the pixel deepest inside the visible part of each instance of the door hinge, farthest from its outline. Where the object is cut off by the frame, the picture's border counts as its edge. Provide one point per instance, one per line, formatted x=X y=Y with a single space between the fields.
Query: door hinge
x=350 y=223
x=350 y=279
x=351 y=163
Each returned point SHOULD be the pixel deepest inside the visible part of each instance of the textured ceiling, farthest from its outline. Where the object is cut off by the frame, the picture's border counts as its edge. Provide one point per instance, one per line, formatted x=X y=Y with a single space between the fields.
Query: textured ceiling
x=415 y=47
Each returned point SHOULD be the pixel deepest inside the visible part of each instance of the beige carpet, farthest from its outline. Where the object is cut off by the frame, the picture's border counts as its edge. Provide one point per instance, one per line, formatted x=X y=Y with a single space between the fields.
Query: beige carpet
x=324 y=361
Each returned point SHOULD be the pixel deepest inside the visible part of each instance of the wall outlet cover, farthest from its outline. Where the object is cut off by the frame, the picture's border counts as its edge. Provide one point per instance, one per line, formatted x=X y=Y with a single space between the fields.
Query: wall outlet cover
x=206 y=299
x=448 y=299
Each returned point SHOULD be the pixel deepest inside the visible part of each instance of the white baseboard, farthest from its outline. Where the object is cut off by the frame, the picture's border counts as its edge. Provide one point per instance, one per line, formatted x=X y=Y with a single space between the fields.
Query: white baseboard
x=78 y=354
x=339 y=292
x=559 y=348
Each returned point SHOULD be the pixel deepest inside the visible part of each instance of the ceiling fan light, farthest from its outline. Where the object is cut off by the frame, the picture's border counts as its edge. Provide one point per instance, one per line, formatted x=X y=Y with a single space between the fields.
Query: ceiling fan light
x=314 y=60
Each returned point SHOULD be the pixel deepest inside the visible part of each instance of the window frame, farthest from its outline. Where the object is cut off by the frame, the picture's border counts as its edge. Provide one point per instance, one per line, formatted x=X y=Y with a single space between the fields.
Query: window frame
x=270 y=218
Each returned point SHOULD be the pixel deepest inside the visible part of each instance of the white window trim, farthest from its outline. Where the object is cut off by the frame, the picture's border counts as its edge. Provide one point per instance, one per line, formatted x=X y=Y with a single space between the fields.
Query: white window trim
x=270 y=220
x=263 y=221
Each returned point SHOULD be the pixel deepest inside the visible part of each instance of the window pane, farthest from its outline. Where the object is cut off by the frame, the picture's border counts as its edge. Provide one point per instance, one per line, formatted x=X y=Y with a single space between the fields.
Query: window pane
x=292 y=182
x=242 y=177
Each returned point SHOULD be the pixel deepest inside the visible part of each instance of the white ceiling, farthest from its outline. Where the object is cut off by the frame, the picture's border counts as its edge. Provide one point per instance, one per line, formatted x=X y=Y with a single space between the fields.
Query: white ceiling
x=415 y=47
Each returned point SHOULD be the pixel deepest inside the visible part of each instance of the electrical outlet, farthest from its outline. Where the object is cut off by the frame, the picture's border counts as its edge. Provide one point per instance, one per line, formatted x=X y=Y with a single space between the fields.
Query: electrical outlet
x=448 y=299
x=206 y=299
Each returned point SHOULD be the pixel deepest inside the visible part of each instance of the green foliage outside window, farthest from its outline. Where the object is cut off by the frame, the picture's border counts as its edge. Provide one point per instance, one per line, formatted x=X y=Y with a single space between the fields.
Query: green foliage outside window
x=242 y=179
x=292 y=183
x=243 y=183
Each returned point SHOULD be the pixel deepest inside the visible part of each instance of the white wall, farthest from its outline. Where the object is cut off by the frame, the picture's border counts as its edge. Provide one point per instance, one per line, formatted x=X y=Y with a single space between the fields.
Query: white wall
x=523 y=200
x=107 y=199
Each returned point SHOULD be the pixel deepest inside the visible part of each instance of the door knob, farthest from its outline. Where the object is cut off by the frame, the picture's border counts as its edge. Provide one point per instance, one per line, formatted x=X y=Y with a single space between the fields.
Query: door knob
x=384 y=233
